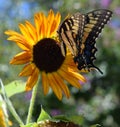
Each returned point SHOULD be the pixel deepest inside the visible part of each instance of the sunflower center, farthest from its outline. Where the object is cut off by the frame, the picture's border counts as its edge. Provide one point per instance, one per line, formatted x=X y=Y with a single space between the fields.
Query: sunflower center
x=47 y=55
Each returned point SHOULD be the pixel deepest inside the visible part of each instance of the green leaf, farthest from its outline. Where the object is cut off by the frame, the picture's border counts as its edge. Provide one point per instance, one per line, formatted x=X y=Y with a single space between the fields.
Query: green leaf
x=30 y=125
x=60 y=118
x=77 y=119
x=43 y=116
x=14 y=87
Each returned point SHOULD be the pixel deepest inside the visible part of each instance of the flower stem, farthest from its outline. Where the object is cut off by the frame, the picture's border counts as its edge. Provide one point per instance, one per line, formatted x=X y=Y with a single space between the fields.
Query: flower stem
x=32 y=102
x=9 y=104
x=14 y=113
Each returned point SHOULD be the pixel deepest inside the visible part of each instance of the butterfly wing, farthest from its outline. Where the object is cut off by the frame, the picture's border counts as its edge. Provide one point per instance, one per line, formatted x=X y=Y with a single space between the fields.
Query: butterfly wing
x=94 y=23
x=69 y=31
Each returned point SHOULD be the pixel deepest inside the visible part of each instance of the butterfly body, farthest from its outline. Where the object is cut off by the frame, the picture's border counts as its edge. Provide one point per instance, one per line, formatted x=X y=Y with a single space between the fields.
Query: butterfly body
x=79 y=33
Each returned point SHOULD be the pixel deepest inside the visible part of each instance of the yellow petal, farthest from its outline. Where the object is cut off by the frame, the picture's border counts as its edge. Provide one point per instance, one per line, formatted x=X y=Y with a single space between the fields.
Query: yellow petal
x=58 y=19
x=50 y=15
x=19 y=39
x=62 y=85
x=69 y=62
x=21 y=58
x=27 y=70
x=50 y=20
x=38 y=23
x=32 y=31
x=32 y=80
x=45 y=83
x=44 y=26
x=2 y=118
x=25 y=31
x=56 y=89
x=69 y=77
x=55 y=24
x=77 y=75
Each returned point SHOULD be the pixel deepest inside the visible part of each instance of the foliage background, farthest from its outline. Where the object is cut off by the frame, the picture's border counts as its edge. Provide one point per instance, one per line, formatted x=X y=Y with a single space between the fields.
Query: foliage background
x=99 y=99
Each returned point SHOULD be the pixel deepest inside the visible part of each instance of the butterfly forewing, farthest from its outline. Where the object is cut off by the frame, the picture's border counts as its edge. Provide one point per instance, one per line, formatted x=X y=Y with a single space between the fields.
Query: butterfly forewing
x=70 y=33
x=94 y=23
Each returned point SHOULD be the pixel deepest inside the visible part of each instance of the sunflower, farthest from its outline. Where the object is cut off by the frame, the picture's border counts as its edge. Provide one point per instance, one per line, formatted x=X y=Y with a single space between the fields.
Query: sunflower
x=2 y=118
x=41 y=54
x=4 y=121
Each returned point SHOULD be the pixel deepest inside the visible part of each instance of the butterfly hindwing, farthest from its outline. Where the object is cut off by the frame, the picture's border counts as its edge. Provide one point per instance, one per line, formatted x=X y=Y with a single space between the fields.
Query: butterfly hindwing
x=94 y=23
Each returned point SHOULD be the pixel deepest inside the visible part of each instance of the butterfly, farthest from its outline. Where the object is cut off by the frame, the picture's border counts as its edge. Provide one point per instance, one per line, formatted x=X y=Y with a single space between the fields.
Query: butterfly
x=79 y=33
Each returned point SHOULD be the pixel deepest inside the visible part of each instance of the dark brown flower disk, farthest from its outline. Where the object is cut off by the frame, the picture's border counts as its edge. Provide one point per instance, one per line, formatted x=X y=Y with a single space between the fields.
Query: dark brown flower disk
x=47 y=55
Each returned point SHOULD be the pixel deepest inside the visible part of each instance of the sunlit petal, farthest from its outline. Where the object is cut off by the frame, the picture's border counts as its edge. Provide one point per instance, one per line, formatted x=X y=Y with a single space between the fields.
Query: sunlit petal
x=19 y=39
x=26 y=33
x=55 y=24
x=50 y=20
x=45 y=83
x=70 y=78
x=62 y=85
x=43 y=26
x=77 y=75
x=38 y=23
x=32 y=80
x=21 y=58
x=27 y=70
x=2 y=118
x=32 y=31
x=55 y=87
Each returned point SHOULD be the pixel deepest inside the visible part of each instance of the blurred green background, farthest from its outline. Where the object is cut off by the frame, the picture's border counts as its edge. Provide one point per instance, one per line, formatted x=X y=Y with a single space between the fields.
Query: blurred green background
x=99 y=99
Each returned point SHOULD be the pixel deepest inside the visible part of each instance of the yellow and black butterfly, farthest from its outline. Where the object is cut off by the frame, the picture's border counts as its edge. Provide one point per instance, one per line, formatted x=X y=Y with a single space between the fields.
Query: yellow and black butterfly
x=79 y=33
